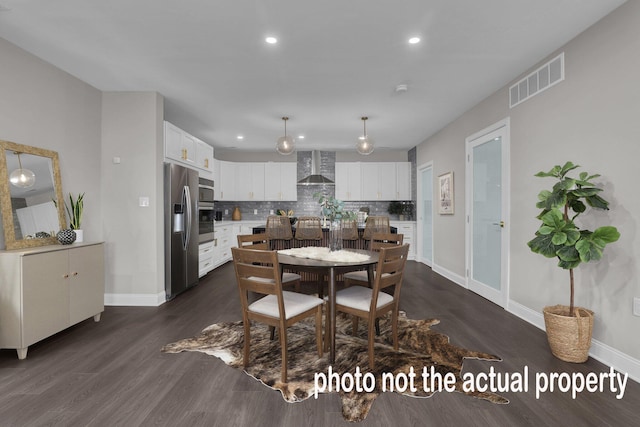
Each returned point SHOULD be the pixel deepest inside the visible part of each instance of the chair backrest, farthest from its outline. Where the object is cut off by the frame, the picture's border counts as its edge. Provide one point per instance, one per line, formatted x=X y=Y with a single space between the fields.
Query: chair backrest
x=389 y=271
x=309 y=228
x=383 y=240
x=376 y=224
x=253 y=241
x=278 y=227
x=257 y=271
x=349 y=229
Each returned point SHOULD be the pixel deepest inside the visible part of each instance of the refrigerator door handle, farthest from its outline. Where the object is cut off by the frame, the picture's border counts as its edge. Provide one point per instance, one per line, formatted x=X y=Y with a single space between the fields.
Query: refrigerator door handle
x=187 y=196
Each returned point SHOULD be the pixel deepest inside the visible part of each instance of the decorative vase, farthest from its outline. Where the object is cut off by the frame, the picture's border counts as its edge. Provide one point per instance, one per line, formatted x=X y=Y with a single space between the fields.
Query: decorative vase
x=66 y=236
x=335 y=236
x=236 y=215
x=569 y=336
x=79 y=236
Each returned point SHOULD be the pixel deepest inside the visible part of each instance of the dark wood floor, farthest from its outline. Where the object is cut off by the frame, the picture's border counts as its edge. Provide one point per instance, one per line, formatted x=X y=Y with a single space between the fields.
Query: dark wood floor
x=112 y=373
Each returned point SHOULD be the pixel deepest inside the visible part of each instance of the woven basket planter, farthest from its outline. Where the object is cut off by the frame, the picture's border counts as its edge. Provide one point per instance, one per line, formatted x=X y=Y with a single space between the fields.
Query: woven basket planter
x=569 y=337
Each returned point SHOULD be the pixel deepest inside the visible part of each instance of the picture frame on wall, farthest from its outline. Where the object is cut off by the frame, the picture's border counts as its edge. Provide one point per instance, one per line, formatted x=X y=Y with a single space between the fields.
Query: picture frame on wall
x=445 y=194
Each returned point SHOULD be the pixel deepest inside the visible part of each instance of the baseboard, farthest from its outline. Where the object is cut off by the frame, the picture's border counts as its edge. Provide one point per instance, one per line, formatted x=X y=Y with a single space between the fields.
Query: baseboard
x=600 y=351
x=142 y=300
x=455 y=278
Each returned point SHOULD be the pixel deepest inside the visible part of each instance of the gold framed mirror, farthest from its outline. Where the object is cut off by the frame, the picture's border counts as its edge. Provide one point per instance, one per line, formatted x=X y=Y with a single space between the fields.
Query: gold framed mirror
x=32 y=212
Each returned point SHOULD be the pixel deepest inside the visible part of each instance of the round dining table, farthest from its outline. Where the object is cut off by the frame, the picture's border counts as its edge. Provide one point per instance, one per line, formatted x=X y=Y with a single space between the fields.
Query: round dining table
x=330 y=268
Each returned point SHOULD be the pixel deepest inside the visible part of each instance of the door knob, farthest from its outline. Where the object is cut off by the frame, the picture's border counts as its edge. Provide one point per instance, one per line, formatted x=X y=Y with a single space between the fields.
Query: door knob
x=501 y=224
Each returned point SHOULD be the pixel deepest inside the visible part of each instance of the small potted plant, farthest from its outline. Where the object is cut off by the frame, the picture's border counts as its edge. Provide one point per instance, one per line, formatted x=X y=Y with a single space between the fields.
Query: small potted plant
x=74 y=210
x=333 y=210
x=569 y=328
x=396 y=208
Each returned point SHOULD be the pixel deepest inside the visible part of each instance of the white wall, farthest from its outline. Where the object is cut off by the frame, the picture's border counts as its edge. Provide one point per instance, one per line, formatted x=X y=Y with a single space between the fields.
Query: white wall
x=591 y=118
x=132 y=131
x=45 y=107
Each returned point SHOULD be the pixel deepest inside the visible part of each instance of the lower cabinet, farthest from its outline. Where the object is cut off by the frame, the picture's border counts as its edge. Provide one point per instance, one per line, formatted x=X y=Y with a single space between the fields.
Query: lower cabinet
x=408 y=230
x=45 y=290
x=222 y=242
x=205 y=258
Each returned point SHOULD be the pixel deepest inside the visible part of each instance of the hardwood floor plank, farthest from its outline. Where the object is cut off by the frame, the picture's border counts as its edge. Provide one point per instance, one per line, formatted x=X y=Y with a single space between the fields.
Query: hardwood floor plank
x=112 y=373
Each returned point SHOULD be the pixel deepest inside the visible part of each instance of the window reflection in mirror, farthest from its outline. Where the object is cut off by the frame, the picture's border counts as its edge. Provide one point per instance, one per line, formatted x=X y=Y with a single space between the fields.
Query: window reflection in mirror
x=30 y=216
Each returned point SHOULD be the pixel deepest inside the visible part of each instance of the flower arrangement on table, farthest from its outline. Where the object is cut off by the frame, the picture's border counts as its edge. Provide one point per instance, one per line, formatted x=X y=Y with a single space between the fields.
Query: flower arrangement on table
x=333 y=209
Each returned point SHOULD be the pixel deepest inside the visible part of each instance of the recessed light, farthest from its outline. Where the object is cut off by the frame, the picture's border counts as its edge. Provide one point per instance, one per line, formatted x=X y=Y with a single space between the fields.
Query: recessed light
x=271 y=40
x=300 y=136
x=239 y=137
x=414 y=40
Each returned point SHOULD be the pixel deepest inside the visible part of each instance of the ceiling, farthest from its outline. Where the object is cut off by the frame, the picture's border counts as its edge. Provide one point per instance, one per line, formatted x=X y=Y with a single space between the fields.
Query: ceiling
x=335 y=60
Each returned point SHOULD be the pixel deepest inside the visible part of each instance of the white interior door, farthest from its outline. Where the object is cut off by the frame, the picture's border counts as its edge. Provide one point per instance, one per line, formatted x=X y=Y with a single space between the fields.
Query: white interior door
x=425 y=214
x=487 y=231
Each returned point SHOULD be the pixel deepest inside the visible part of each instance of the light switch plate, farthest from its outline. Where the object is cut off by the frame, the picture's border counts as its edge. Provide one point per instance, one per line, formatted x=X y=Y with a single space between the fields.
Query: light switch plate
x=636 y=306
x=255 y=211
x=144 y=202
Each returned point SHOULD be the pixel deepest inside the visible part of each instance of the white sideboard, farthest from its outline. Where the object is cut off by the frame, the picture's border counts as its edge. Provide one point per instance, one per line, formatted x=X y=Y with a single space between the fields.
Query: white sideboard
x=47 y=289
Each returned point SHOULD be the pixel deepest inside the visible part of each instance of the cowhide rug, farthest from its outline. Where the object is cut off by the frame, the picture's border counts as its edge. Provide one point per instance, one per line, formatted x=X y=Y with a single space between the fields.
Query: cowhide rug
x=419 y=347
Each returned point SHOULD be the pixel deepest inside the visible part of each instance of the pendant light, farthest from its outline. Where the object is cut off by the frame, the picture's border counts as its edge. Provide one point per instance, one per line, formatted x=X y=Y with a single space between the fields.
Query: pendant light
x=364 y=145
x=23 y=178
x=285 y=144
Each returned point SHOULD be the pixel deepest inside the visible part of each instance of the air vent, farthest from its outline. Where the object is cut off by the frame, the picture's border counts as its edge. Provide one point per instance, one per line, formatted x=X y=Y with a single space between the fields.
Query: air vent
x=542 y=79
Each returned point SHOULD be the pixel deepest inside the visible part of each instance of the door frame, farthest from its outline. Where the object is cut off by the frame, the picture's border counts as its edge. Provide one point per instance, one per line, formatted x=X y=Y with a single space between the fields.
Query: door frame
x=501 y=298
x=420 y=213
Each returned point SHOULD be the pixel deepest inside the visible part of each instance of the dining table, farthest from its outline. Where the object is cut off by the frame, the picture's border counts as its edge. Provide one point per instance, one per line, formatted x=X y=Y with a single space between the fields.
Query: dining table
x=300 y=259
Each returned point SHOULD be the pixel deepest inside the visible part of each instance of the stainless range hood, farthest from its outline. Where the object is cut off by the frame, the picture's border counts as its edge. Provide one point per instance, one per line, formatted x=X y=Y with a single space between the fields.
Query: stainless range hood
x=315 y=178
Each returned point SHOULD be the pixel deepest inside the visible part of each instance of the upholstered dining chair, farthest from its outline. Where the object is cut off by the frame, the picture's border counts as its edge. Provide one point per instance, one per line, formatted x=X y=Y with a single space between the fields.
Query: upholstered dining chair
x=279 y=232
x=372 y=303
x=259 y=241
x=375 y=224
x=309 y=231
x=378 y=240
x=258 y=271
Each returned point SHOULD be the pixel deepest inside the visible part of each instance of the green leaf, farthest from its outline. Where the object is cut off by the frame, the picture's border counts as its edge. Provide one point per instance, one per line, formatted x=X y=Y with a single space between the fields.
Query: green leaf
x=588 y=250
x=597 y=202
x=558 y=238
x=573 y=236
x=569 y=166
x=568 y=253
x=543 y=245
x=565 y=184
x=585 y=191
x=608 y=234
x=552 y=218
x=545 y=229
x=567 y=265
x=577 y=206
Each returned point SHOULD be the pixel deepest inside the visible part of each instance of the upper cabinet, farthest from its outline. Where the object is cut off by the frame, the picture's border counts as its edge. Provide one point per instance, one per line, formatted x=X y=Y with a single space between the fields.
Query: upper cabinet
x=370 y=181
x=348 y=181
x=183 y=148
x=249 y=181
x=225 y=183
x=280 y=181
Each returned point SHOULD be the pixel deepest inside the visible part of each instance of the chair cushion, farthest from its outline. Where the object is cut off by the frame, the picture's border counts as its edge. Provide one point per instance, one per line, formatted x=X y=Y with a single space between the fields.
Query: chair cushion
x=286 y=278
x=294 y=304
x=359 y=297
x=360 y=275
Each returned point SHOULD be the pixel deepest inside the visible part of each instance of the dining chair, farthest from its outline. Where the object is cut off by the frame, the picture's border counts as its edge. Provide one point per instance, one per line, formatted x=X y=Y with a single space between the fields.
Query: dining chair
x=378 y=241
x=309 y=231
x=258 y=271
x=375 y=224
x=372 y=303
x=279 y=232
x=349 y=233
x=260 y=241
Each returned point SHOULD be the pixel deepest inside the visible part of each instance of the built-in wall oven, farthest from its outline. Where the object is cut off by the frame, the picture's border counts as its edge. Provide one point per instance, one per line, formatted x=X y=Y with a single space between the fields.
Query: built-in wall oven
x=206 y=213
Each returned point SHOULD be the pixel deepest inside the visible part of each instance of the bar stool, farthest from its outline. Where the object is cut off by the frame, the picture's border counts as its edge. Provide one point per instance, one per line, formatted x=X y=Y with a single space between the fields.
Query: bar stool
x=350 y=233
x=279 y=232
x=375 y=224
x=309 y=231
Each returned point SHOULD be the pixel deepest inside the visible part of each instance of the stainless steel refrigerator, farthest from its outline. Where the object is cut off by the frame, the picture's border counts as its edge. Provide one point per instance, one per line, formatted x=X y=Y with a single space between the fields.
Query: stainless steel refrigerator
x=181 y=229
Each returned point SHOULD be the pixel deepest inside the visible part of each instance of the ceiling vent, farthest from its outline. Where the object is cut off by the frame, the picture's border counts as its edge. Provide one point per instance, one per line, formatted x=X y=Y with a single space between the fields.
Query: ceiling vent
x=542 y=79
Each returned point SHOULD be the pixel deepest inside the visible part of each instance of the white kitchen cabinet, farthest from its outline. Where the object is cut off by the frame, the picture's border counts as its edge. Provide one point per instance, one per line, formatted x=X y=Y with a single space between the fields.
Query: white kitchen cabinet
x=408 y=230
x=378 y=181
x=226 y=184
x=403 y=181
x=179 y=145
x=222 y=242
x=280 y=181
x=348 y=181
x=249 y=181
x=45 y=290
x=204 y=159
x=205 y=258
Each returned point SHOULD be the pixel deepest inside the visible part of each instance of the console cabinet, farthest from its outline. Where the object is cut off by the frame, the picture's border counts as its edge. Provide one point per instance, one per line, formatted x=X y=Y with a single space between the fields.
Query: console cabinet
x=47 y=289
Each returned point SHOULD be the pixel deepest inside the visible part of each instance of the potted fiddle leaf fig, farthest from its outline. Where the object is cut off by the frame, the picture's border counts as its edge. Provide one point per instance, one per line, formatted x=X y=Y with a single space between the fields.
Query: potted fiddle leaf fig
x=569 y=328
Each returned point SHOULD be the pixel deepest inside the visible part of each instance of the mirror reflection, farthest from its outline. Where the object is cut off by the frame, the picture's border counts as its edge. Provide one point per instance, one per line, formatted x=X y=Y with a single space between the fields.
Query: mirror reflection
x=30 y=186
